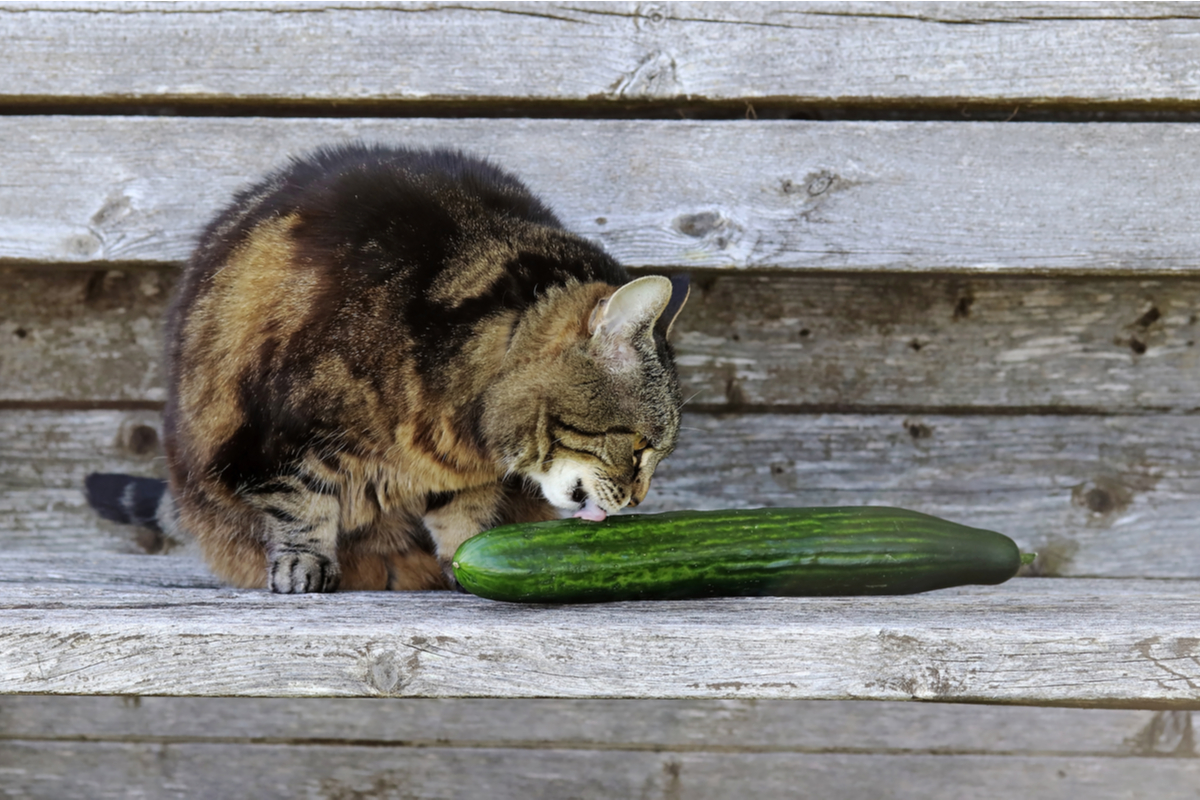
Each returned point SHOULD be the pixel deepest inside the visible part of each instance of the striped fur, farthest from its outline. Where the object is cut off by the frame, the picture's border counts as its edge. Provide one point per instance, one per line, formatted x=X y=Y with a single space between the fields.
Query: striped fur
x=377 y=353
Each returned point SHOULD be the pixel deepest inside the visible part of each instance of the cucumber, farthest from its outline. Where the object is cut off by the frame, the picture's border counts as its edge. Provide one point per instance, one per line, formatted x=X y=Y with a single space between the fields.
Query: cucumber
x=867 y=550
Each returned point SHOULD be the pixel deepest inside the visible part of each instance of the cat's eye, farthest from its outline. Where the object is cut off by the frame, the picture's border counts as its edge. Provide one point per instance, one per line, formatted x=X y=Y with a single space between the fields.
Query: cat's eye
x=640 y=445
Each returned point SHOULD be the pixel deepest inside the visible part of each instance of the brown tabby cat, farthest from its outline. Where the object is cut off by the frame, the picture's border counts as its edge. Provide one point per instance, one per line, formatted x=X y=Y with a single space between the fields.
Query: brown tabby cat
x=377 y=353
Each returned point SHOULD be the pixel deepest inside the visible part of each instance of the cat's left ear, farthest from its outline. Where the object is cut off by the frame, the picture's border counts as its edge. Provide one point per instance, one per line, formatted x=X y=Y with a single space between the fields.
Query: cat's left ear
x=630 y=313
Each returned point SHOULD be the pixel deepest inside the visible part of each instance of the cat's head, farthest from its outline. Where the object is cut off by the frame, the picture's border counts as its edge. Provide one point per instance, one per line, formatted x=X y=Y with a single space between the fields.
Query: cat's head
x=595 y=404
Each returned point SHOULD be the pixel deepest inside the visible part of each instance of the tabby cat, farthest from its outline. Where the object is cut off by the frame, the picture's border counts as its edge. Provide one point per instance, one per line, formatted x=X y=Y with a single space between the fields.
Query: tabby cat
x=376 y=353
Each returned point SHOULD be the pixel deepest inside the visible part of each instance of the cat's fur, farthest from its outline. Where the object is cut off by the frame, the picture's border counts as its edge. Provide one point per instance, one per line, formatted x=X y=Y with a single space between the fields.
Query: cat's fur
x=377 y=353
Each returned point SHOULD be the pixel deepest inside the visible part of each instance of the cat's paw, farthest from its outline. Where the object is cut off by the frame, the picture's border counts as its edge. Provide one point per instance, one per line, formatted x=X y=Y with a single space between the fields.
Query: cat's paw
x=292 y=572
x=451 y=582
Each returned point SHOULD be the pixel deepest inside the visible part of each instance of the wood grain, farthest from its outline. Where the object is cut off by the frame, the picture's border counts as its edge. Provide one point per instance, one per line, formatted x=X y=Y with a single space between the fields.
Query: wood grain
x=728 y=726
x=963 y=357
x=782 y=341
x=915 y=196
x=1029 y=641
x=61 y=771
x=601 y=54
x=81 y=337
x=1093 y=496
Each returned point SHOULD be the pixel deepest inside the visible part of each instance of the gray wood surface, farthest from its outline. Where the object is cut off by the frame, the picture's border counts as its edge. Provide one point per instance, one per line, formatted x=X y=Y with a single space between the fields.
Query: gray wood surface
x=901 y=196
x=1029 y=641
x=783 y=341
x=82 y=336
x=61 y=771
x=1023 y=54
x=728 y=726
x=1037 y=376
x=1093 y=496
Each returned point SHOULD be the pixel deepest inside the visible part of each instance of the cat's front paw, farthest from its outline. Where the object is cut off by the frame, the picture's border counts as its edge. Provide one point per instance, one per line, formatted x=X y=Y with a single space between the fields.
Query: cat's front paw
x=292 y=572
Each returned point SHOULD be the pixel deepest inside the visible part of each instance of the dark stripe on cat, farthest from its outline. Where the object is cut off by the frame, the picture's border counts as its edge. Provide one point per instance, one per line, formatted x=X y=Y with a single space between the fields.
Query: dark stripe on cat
x=315 y=484
x=423 y=438
x=558 y=423
x=274 y=486
x=281 y=515
x=594 y=434
x=591 y=453
x=436 y=500
x=372 y=496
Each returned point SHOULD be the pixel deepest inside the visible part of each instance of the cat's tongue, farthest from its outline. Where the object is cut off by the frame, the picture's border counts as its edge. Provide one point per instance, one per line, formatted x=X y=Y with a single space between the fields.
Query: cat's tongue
x=591 y=511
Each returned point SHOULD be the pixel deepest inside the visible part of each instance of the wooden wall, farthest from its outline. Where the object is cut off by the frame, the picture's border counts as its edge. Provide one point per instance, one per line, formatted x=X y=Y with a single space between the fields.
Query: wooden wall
x=945 y=257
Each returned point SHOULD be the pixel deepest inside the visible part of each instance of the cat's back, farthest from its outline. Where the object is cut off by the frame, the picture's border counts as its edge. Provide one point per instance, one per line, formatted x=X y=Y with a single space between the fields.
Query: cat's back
x=344 y=289
x=357 y=199
x=431 y=240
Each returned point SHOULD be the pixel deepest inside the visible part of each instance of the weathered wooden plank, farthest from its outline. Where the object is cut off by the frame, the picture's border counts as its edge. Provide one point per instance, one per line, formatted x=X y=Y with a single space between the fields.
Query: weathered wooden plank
x=82 y=336
x=682 y=725
x=62 y=771
x=116 y=570
x=594 y=53
x=42 y=501
x=1029 y=641
x=934 y=196
x=791 y=341
x=941 y=342
x=1094 y=496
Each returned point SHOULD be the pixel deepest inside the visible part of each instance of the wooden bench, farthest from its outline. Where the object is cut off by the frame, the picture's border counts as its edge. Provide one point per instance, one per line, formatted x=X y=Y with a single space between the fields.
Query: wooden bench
x=947 y=258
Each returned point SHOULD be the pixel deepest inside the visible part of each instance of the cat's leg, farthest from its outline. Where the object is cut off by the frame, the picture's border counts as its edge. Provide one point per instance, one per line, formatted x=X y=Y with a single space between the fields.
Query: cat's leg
x=407 y=571
x=458 y=517
x=524 y=502
x=301 y=526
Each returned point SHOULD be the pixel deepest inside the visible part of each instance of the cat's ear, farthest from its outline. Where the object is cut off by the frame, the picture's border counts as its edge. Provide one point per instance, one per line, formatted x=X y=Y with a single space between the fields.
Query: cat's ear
x=630 y=313
x=681 y=288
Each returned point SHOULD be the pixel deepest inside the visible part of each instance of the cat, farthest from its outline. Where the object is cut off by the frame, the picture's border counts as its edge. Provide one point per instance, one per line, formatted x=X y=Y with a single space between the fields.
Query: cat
x=376 y=353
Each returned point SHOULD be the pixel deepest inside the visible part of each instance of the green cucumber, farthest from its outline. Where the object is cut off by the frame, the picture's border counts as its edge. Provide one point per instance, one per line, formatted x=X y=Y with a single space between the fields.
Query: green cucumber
x=739 y=552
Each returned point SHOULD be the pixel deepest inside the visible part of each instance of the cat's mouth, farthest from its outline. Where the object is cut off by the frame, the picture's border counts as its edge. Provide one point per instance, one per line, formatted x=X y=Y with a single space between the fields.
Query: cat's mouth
x=588 y=508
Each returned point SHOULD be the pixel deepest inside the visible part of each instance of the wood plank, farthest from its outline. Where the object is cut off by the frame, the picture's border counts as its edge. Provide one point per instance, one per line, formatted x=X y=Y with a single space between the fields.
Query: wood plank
x=678 y=725
x=42 y=502
x=914 y=196
x=787 y=341
x=1094 y=496
x=82 y=337
x=1031 y=641
x=61 y=771
x=598 y=54
x=929 y=342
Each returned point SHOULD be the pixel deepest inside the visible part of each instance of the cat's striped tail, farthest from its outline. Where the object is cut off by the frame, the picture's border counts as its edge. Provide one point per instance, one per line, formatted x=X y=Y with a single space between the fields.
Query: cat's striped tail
x=132 y=500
